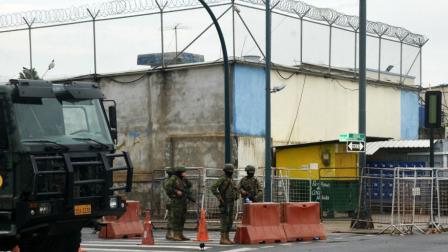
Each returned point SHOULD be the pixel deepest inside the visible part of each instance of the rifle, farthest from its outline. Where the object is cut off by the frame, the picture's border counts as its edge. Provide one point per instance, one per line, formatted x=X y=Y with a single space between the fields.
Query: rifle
x=186 y=195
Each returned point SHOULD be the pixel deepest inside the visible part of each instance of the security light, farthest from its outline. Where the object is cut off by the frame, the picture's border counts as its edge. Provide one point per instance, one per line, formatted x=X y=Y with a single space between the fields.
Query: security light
x=278 y=88
x=389 y=68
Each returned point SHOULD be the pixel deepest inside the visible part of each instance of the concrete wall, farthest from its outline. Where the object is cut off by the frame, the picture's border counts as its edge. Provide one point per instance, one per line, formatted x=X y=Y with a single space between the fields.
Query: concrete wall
x=169 y=118
x=250 y=151
x=176 y=117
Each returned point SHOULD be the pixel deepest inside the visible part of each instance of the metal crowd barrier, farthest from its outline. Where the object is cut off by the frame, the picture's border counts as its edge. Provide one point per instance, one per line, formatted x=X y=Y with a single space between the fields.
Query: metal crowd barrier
x=405 y=199
x=335 y=188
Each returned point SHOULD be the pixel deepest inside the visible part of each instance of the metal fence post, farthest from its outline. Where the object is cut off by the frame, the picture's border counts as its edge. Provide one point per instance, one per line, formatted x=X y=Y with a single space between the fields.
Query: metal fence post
x=401 y=39
x=94 y=16
x=161 y=9
x=380 y=35
x=330 y=38
x=355 y=31
x=29 y=24
x=301 y=16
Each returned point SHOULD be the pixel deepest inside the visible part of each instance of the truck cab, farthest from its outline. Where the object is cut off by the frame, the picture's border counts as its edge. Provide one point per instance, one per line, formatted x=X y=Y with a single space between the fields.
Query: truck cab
x=57 y=163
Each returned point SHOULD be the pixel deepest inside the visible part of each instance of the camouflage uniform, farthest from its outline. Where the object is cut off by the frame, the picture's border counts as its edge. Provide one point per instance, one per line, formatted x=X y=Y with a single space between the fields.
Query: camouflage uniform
x=249 y=187
x=169 y=225
x=226 y=191
x=177 y=188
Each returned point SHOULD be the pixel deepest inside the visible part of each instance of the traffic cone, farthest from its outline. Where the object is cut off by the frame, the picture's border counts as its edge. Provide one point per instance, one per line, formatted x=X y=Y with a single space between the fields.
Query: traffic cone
x=148 y=238
x=81 y=250
x=16 y=249
x=202 y=229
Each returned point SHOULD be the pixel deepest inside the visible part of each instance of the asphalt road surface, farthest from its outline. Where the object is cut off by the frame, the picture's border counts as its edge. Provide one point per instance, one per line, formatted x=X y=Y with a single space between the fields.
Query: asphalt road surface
x=336 y=242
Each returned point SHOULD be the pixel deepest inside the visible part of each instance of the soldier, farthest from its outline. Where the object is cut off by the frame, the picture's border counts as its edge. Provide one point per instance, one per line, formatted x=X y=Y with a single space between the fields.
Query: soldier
x=226 y=192
x=169 y=226
x=178 y=189
x=249 y=187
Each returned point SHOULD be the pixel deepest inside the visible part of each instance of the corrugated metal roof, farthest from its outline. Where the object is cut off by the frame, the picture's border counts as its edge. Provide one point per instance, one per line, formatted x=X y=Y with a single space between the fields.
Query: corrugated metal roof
x=369 y=139
x=373 y=147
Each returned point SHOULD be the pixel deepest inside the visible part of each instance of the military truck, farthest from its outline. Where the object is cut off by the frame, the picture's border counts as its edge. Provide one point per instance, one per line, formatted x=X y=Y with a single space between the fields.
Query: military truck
x=57 y=163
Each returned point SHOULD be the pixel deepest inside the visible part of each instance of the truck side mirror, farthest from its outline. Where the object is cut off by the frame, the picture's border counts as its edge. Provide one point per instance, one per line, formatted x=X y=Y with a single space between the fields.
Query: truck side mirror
x=113 y=122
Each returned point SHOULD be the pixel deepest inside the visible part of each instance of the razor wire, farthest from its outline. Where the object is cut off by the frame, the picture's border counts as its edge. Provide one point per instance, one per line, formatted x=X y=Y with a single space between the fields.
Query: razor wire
x=104 y=9
x=123 y=7
x=337 y=18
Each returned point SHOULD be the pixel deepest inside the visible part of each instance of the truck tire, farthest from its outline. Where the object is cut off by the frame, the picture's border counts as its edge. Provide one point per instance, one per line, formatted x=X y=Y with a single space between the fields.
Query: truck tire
x=71 y=241
x=7 y=244
x=67 y=242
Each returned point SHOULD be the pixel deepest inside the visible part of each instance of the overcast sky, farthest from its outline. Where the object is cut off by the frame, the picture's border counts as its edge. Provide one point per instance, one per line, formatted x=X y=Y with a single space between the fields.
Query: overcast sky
x=424 y=17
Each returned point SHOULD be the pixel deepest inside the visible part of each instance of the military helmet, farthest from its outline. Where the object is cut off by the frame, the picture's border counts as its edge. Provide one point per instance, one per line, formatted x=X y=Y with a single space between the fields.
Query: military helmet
x=180 y=169
x=170 y=171
x=228 y=168
x=250 y=168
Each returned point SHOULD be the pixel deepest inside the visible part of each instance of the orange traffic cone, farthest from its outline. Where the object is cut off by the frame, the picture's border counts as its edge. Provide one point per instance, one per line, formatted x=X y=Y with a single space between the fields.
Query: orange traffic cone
x=81 y=250
x=16 y=249
x=202 y=229
x=148 y=238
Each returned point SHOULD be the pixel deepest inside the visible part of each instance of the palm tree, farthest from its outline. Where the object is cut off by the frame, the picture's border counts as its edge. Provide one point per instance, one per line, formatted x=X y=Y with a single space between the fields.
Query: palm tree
x=29 y=74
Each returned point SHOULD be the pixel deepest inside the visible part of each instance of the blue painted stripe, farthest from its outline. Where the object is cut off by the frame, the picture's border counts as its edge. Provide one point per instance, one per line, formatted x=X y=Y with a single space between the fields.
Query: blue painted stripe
x=248 y=100
x=409 y=114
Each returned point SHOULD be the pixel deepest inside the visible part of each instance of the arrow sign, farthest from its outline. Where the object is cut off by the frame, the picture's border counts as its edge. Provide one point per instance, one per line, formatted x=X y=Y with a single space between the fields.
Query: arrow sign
x=356 y=146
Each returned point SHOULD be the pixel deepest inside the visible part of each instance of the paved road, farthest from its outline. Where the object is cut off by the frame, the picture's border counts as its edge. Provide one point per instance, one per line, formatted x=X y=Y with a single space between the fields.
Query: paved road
x=335 y=242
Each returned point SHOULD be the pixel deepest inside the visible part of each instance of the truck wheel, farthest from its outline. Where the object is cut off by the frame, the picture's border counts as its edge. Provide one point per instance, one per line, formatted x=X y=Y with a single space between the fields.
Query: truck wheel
x=7 y=244
x=67 y=242
x=71 y=241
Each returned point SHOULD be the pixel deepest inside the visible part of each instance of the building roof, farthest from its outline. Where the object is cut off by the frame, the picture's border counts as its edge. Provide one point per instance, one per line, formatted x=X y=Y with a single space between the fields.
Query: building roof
x=373 y=147
x=304 y=68
x=443 y=85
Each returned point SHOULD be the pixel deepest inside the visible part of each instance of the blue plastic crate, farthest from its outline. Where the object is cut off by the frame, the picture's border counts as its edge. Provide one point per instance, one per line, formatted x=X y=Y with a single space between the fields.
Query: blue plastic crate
x=403 y=164
x=376 y=195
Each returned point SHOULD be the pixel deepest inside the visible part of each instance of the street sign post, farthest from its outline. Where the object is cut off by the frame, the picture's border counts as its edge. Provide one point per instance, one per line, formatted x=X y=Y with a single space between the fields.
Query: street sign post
x=356 y=146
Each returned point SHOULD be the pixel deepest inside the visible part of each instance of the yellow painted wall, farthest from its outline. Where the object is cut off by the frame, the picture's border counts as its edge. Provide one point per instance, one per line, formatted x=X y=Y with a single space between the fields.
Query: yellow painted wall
x=305 y=162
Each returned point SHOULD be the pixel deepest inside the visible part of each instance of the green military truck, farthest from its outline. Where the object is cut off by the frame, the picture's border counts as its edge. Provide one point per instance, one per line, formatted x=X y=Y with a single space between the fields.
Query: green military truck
x=57 y=161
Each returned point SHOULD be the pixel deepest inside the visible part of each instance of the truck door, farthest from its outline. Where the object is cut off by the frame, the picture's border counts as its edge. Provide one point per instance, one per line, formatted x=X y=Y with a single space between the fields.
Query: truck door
x=6 y=177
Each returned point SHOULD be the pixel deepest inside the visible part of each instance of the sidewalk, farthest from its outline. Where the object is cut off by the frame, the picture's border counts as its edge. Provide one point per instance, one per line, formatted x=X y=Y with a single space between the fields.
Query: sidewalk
x=343 y=226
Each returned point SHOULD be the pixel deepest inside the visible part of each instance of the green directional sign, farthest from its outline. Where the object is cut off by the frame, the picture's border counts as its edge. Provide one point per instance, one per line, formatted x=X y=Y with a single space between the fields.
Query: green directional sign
x=346 y=137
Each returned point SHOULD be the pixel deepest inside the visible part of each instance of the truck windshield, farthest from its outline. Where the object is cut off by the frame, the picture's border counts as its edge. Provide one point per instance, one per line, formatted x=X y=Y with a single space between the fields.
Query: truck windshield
x=61 y=121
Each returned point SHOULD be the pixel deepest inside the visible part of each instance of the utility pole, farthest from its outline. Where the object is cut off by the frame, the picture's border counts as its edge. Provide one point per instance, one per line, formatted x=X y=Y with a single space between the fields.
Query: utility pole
x=362 y=77
x=362 y=215
x=267 y=138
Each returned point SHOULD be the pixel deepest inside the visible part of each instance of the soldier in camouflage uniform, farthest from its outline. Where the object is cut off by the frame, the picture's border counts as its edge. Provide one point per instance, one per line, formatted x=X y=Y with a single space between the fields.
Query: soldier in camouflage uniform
x=226 y=191
x=169 y=225
x=249 y=187
x=178 y=189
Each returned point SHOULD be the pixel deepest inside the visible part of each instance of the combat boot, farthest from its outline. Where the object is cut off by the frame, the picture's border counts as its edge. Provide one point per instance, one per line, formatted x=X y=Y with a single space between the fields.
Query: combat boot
x=177 y=236
x=228 y=238
x=184 y=238
x=224 y=239
x=169 y=234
